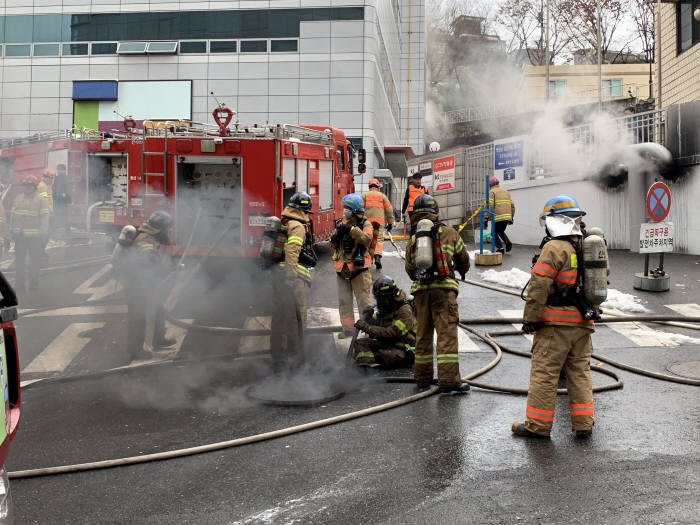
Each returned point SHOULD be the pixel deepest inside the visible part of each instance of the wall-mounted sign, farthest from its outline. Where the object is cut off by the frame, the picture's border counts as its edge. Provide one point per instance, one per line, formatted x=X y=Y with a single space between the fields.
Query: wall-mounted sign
x=444 y=173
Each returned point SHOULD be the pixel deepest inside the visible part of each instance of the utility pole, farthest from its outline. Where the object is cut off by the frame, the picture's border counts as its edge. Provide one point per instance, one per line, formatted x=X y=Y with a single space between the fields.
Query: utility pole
x=600 y=61
x=546 y=53
x=657 y=55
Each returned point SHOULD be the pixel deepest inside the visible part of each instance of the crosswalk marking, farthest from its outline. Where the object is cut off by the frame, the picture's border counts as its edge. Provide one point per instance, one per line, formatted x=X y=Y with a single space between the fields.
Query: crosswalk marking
x=59 y=353
x=98 y=292
x=516 y=313
x=687 y=310
x=639 y=333
x=81 y=310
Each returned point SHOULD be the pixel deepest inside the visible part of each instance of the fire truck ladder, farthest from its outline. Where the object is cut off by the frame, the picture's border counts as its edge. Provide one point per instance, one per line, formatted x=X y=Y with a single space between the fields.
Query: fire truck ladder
x=145 y=154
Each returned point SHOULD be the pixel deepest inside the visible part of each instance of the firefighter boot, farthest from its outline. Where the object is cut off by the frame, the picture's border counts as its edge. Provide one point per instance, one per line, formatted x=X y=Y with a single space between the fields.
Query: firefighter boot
x=378 y=261
x=519 y=430
x=584 y=433
x=462 y=388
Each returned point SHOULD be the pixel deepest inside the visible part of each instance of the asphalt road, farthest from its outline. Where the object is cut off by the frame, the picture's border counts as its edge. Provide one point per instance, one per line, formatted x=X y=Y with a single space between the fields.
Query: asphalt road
x=440 y=460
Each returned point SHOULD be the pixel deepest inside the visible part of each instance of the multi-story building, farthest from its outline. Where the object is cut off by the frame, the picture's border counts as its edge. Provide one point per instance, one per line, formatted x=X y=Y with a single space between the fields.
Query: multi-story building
x=353 y=64
x=680 y=52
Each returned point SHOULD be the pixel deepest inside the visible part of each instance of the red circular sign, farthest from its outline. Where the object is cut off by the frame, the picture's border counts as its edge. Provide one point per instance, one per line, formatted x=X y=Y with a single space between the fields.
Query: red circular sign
x=658 y=201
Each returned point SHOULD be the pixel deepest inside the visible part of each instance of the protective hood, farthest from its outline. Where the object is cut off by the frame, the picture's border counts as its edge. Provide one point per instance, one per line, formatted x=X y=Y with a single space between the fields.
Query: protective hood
x=562 y=225
x=295 y=213
x=419 y=215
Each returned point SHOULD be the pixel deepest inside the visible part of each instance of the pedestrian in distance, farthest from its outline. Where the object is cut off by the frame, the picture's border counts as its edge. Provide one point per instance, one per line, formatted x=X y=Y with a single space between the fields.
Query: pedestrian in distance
x=562 y=333
x=380 y=213
x=433 y=255
x=415 y=189
x=502 y=204
x=352 y=242
x=61 y=199
x=29 y=223
x=391 y=329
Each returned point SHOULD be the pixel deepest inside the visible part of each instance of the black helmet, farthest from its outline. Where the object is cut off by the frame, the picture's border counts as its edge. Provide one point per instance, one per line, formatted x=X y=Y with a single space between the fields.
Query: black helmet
x=427 y=203
x=385 y=287
x=301 y=200
x=160 y=220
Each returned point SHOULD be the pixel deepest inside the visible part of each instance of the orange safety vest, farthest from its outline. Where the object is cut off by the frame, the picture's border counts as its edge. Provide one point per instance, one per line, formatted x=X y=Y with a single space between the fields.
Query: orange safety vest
x=413 y=194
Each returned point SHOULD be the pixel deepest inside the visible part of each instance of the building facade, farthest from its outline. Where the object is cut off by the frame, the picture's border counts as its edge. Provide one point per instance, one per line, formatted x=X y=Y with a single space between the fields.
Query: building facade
x=354 y=64
x=680 y=52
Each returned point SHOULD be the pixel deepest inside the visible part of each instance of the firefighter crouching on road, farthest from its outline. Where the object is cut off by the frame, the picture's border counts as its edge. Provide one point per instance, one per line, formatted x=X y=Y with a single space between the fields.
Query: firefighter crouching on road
x=352 y=243
x=141 y=268
x=379 y=211
x=433 y=254
x=29 y=223
x=391 y=331
x=562 y=334
x=504 y=210
x=293 y=253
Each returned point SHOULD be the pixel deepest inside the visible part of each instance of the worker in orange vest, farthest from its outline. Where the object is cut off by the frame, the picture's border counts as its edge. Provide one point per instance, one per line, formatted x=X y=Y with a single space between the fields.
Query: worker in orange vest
x=414 y=190
x=380 y=213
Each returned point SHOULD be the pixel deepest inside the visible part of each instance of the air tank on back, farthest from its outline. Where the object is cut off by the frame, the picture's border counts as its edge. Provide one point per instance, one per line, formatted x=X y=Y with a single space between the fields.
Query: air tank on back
x=267 y=246
x=595 y=267
x=424 y=245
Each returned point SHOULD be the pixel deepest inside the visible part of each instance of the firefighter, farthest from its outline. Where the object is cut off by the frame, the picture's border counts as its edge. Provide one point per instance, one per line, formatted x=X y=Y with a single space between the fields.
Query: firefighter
x=352 y=244
x=61 y=198
x=142 y=269
x=414 y=190
x=562 y=334
x=379 y=211
x=501 y=203
x=433 y=254
x=293 y=247
x=45 y=188
x=4 y=230
x=391 y=331
x=29 y=223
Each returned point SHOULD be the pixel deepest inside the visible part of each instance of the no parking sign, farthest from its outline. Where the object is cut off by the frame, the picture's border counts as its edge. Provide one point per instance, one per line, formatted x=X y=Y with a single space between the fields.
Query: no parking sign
x=658 y=201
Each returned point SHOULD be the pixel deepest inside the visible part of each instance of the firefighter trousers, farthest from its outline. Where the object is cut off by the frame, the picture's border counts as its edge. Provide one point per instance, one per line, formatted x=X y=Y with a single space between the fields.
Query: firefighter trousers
x=288 y=319
x=142 y=302
x=436 y=310
x=553 y=348
x=29 y=252
x=359 y=284
x=501 y=236
x=373 y=352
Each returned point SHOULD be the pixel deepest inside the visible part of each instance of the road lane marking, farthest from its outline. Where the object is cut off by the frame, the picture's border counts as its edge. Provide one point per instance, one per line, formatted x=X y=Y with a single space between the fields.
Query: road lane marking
x=639 y=333
x=81 y=310
x=516 y=313
x=687 y=309
x=98 y=292
x=59 y=353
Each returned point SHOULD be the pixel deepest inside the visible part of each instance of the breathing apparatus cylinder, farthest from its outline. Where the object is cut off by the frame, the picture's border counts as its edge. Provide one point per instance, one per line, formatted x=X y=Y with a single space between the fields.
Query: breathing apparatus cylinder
x=127 y=235
x=267 y=246
x=595 y=268
x=424 y=245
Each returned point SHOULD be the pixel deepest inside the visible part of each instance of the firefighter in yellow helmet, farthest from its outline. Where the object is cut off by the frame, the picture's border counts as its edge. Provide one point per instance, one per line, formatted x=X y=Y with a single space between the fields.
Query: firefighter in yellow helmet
x=378 y=211
x=29 y=223
x=294 y=255
x=352 y=242
x=555 y=312
x=504 y=210
x=433 y=255
x=391 y=330
x=45 y=187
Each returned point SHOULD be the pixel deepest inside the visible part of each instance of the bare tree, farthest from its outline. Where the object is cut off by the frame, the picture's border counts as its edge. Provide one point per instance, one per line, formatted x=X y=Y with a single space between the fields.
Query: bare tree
x=642 y=14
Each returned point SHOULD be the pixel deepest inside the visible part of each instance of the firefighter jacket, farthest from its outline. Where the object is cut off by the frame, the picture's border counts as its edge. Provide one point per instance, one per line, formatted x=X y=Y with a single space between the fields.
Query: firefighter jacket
x=397 y=327
x=61 y=190
x=412 y=193
x=292 y=237
x=449 y=254
x=361 y=233
x=29 y=215
x=502 y=204
x=556 y=269
x=146 y=242
x=46 y=191
x=378 y=208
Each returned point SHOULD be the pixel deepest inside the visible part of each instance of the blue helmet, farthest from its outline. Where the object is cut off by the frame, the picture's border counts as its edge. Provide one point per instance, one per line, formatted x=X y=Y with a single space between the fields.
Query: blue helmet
x=562 y=204
x=354 y=202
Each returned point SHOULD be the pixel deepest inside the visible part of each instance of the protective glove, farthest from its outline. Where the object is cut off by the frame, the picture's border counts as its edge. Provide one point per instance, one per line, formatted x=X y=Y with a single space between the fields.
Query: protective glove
x=389 y=227
x=531 y=328
x=510 y=222
x=362 y=325
x=368 y=313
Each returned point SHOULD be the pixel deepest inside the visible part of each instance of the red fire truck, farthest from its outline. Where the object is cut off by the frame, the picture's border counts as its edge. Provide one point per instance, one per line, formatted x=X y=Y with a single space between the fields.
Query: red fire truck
x=219 y=182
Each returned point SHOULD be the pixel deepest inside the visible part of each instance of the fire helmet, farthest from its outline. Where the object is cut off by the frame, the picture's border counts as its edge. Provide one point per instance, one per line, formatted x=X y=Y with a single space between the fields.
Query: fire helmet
x=562 y=204
x=561 y=217
x=426 y=202
x=30 y=179
x=160 y=220
x=385 y=286
x=301 y=200
x=49 y=173
x=354 y=202
x=375 y=183
x=493 y=181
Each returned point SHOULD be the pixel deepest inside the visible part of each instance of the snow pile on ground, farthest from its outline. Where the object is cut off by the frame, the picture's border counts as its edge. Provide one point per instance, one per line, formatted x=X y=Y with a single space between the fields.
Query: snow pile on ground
x=676 y=338
x=513 y=278
x=624 y=302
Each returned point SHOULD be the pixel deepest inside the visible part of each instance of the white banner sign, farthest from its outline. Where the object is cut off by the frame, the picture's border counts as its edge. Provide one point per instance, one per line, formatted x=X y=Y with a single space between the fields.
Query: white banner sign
x=444 y=173
x=655 y=237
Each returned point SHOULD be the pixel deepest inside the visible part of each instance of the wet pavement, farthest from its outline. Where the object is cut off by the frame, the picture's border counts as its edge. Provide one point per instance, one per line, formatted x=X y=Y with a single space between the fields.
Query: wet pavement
x=445 y=459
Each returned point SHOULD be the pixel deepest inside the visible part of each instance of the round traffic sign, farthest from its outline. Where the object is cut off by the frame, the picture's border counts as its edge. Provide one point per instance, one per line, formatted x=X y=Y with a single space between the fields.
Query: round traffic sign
x=658 y=201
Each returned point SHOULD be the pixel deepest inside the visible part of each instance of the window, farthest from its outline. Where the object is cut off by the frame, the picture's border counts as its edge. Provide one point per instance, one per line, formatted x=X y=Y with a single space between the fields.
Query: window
x=302 y=175
x=557 y=88
x=341 y=158
x=130 y=48
x=161 y=48
x=104 y=48
x=222 y=46
x=17 y=50
x=193 y=47
x=46 y=50
x=253 y=46
x=688 y=27
x=283 y=46
x=612 y=88
x=350 y=159
x=75 y=49
x=325 y=184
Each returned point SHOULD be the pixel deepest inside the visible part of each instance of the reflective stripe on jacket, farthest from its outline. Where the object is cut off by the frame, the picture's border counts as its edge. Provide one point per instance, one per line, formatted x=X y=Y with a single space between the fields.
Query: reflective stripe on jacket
x=555 y=269
x=377 y=207
x=296 y=236
x=397 y=327
x=502 y=204
x=29 y=215
x=364 y=237
x=46 y=191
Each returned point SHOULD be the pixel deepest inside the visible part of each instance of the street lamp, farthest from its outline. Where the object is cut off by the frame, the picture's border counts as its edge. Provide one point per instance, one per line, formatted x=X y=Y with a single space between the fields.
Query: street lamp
x=696 y=14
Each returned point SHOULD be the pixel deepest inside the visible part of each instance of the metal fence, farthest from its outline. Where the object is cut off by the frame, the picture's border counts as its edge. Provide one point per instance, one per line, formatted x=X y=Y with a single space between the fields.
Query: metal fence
x=478 y=162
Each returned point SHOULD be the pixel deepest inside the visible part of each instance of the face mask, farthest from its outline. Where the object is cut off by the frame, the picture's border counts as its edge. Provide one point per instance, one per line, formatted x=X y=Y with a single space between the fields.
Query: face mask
x=562 y=225
x=347 y=213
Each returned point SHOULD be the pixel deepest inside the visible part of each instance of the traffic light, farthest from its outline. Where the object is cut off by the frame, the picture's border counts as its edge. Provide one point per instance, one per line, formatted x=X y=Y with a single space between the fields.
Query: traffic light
x=361 y=159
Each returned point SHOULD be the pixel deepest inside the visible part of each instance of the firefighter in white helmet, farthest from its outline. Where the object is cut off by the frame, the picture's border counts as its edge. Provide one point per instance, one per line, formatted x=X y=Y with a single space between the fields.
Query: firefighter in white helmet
x=556 y=313
x=379 y=212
